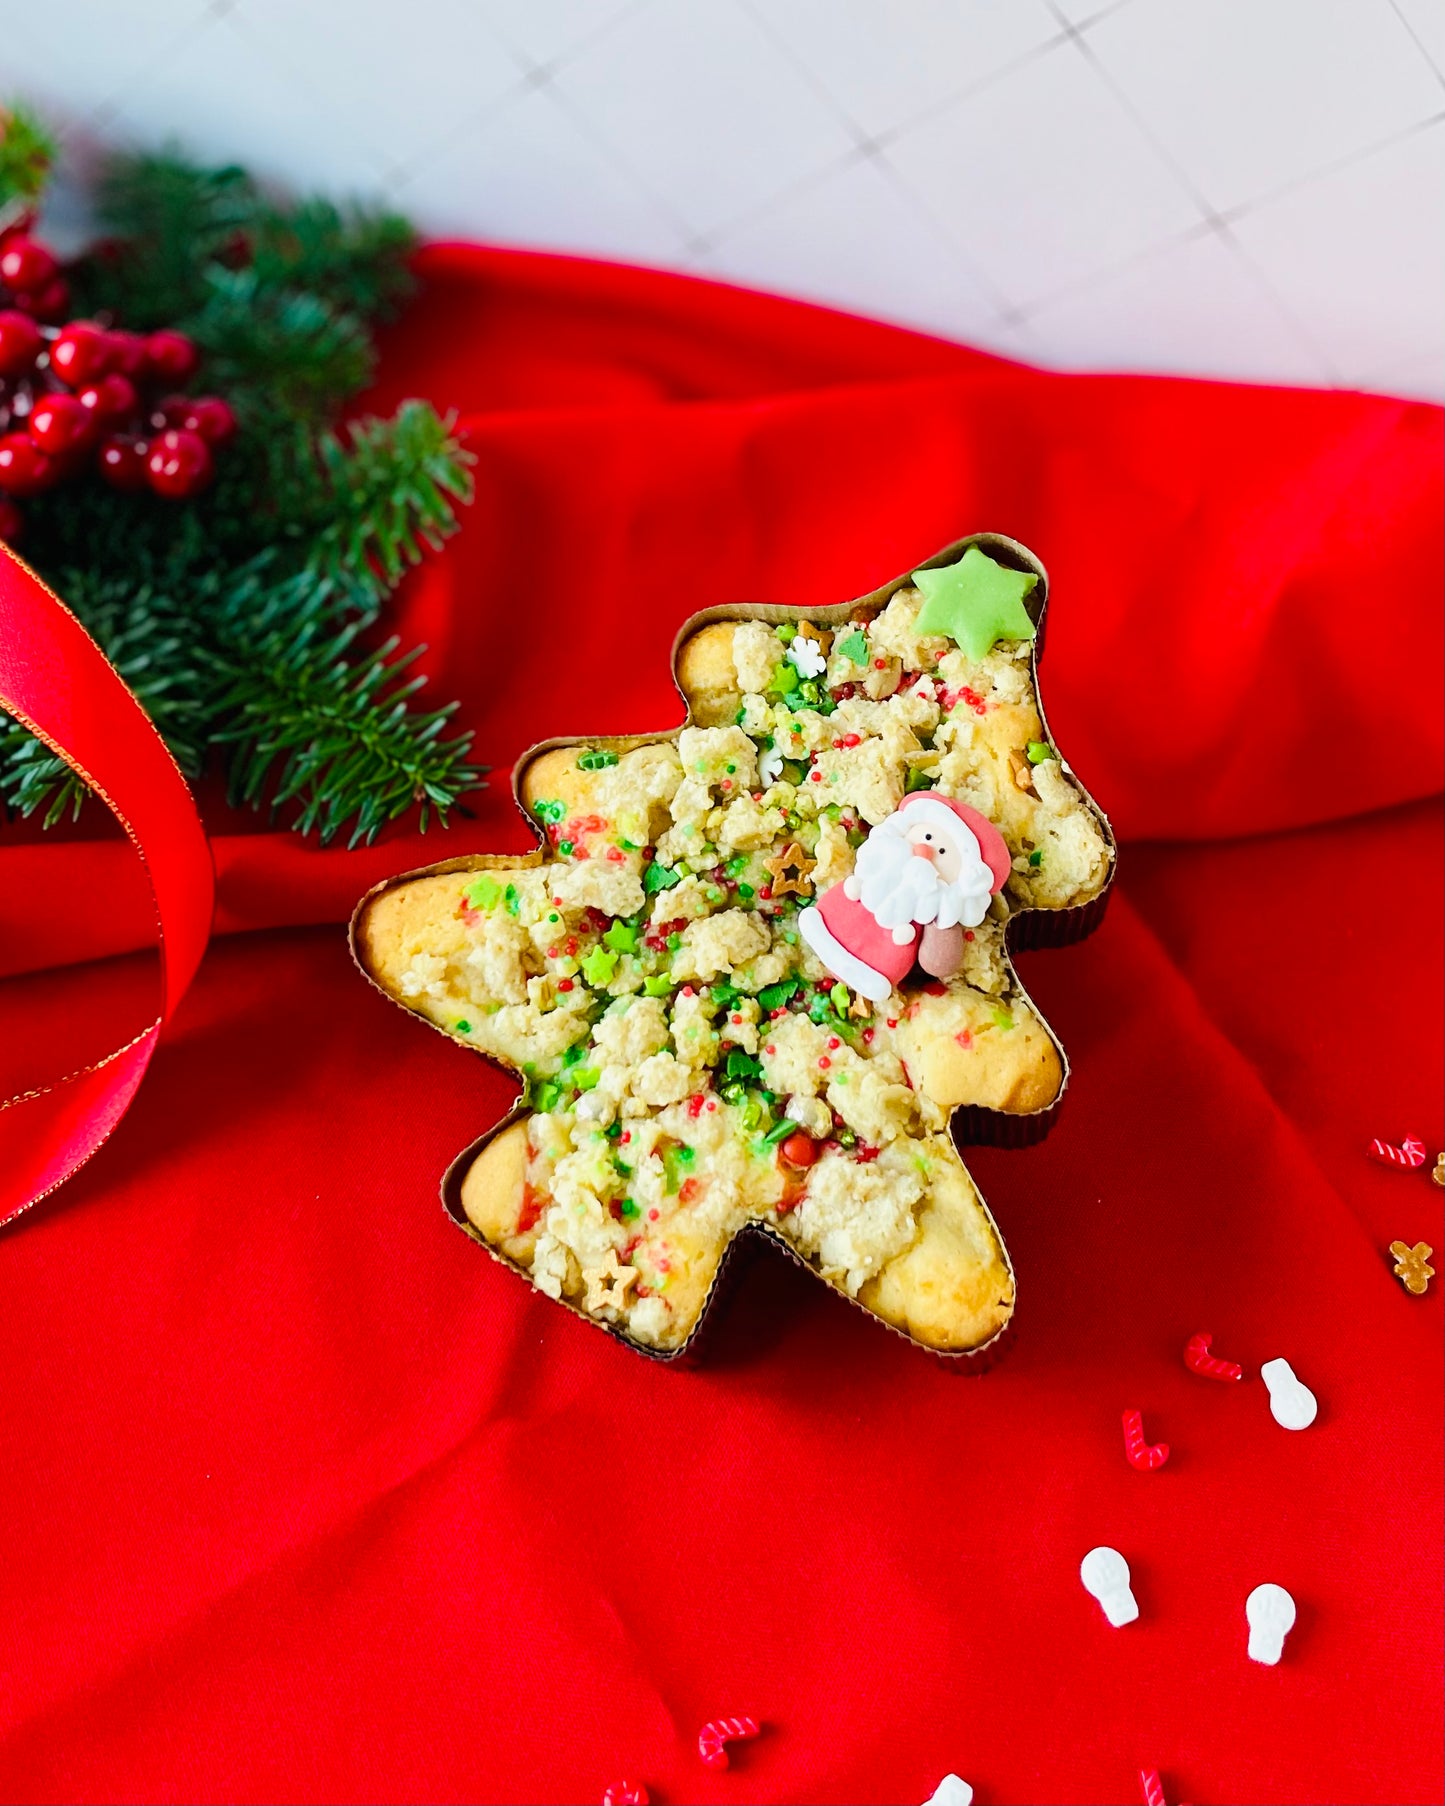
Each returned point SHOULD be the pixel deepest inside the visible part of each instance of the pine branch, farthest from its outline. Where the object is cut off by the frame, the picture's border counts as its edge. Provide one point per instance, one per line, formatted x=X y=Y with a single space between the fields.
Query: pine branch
x=278 y=347
x=355 y=258
x=170 y=220
x=26 y=154
x=338 y=739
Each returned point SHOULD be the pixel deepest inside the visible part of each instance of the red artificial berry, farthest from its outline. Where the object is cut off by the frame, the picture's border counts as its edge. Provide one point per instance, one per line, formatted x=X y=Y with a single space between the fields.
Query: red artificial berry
x=79 y=354
x=24 y=468
x=179 y=464
x=112 y=398
x=20 y=342
x=58 y=423
x=215 y=421
x=49 y=303
x=127 y=352
x=171 y=410
x=800 y=1149
x=12 y=522
x=123 y=461
x=171 y=355
x=25 y=265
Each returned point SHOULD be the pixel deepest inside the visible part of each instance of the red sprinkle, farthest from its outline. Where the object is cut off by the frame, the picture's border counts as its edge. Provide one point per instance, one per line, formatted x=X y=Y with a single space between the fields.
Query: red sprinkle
x=626 y=1135
x=694 y=1105
x=852 y=739
x=880 y=664
x=1409 y=1155
x=867 y=1034
x=968 y=934
x=616 y=853
x=893 y=1022
x=824 y=1061
x=815 y=777
x=964 y=1038
x=833 y=1041
x=712 y=1103
x=799 y=1149
x=564 y=984
x=688 y=1190
x=1146 y=1456
x=1198 y=1359
x=770 y=1049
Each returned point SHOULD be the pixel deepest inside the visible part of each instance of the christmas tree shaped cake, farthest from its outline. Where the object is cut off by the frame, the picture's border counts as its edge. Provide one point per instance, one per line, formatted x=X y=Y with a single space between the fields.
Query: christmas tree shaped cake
x=759 y=970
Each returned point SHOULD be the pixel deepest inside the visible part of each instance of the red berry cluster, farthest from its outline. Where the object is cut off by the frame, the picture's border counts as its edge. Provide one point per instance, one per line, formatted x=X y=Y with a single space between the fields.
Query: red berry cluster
x=78 y=394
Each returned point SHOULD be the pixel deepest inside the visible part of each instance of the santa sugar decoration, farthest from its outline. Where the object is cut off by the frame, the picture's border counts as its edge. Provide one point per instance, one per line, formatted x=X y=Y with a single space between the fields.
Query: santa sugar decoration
x=922 y=877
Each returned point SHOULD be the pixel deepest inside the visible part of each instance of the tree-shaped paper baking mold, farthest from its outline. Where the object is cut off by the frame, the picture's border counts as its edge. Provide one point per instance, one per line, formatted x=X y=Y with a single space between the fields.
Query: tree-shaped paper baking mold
x=756 y=980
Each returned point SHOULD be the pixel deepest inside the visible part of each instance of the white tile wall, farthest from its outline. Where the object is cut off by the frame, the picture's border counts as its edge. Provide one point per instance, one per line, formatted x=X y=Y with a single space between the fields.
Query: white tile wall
x=1250 y=188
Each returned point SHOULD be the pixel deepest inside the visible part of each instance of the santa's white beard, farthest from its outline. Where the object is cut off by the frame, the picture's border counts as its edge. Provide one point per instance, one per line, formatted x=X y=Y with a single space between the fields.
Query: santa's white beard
x=897 y=888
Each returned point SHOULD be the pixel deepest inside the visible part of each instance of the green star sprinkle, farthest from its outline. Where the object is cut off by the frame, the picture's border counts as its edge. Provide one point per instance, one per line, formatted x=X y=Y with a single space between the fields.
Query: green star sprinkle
x=1038 y=751
x=975 y=602
x=599 y=966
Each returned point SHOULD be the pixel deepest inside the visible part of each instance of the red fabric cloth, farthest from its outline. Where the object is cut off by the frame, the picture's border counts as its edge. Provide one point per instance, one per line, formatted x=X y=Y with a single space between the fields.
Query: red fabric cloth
x=306 y=1498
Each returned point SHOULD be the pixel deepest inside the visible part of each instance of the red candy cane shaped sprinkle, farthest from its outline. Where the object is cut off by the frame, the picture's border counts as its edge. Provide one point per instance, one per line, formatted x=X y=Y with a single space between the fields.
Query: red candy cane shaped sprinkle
x=1153 y=1787
x=713 y=1738
x=625 y=1793
x=1409 y=1155
x=1146 y=1456
x=1198 y=1359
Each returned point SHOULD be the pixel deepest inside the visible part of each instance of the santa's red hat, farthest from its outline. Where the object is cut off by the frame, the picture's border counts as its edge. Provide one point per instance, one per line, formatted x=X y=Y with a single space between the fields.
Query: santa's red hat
x=992 y=850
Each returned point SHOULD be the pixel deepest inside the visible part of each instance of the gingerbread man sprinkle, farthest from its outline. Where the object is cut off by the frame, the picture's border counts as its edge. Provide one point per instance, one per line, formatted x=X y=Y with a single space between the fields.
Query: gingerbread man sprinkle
x=1412 y=1266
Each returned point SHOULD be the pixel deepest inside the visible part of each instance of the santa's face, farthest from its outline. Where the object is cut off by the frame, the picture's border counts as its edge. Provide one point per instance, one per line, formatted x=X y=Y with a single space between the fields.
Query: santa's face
x=940 y=848
x=918 y=868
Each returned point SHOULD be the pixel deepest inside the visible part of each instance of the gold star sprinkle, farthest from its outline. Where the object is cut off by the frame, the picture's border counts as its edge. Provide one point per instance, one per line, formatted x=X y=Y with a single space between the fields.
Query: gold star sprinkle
x=608 y=1284
x=1437 y=1172
x=1412 y=1265
x=790 y=870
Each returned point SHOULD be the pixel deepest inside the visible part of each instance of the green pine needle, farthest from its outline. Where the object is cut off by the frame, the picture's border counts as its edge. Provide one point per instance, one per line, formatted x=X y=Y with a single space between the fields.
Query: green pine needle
x=26 y=154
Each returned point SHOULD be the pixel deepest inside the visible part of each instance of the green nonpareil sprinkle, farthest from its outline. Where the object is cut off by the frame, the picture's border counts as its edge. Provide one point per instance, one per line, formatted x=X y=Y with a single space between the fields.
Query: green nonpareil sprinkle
x=613 y=1131
x=746 y=892
x=512 y=899
x=674 y=941
x=572 y=1055
x=1038 y=751
x=628 y=1210
x=565 y=848
x=549 y=810
x=1036 y=858
x=737 y=865
x=463 y=1026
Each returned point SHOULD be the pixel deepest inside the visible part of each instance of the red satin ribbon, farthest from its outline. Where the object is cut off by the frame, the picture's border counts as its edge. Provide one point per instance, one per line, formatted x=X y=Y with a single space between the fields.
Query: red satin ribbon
x=55 y=679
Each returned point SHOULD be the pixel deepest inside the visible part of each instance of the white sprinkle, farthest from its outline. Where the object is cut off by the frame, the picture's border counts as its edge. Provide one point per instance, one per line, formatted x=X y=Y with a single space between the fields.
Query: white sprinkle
x=1105 y=1574
x=1271 y=1615
x=1292 y=1403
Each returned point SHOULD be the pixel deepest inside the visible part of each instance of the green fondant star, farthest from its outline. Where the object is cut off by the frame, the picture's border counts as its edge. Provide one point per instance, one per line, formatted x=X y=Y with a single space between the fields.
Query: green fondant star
x=975 y=602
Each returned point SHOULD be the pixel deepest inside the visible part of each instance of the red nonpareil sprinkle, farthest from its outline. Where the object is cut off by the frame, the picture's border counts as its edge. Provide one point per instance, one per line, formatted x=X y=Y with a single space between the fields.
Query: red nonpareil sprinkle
x=653 y=1214
x=688 y=991
x=552 y=952
x=572 y=946
x=824 y=1061
x=774 y=1014
x=689 y=1189
x=770 y=1049
x=880 y=664
x=1198 y=1359
x=968 y=934
x=867 y=1034
x=893 y=1022
x=864 y=1154
x=981 y=708
x=718 y=1733
x=616 y=853
x=564 y=984
x=833 y=1041
x=726 y=784
x=712 y=1103
x=626 y=1135
x=735 y=1017
x=852 y=739
x=766 y=891
x=815 y=777
x=1146 y=1456
x=964 y=1038
x=694 y=1105
x=556 y=902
